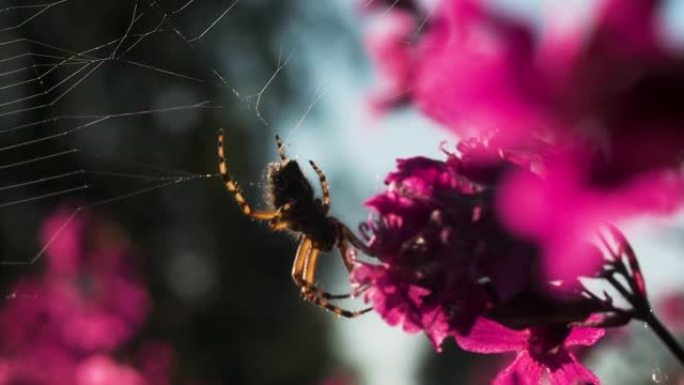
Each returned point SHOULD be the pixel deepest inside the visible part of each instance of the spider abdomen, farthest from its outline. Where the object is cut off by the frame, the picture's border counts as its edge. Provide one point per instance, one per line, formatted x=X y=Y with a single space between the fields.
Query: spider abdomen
x=288 y=184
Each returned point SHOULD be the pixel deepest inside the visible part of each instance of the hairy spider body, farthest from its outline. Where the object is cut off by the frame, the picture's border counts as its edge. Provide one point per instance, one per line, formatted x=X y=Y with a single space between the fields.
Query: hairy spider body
x=294 y=208
x=288 y=187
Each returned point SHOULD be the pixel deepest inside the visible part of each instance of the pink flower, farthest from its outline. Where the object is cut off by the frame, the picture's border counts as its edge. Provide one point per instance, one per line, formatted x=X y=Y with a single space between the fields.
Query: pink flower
x=63 y=325
x=95 y=300
x=422 y=274
x=671 y=308
x=388 y=42
x=542 y=352
x=612 y=84
x=445 y=259
x=102 y=370
x=576 y=127
x=621 y=88
x=562 y=213
x=604 y=100
x=474 y=74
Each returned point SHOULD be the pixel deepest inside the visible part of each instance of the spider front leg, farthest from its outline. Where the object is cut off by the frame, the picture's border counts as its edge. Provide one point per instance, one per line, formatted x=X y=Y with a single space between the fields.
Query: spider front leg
x=277 y=223
x=324 y=185
x=281 y=148
x=234 y=188
x=346 y=237
x=343 y=248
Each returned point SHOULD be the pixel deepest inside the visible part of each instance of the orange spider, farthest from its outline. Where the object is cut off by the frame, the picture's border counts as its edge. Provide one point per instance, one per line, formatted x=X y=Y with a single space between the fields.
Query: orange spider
x=293 y=207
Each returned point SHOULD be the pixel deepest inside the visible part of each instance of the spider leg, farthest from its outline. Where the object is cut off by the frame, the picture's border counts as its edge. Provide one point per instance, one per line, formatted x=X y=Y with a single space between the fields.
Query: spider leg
x=343 y=247
x=281 y=148
x=234 y=189
x=303 y=271
x=303 y=251
x=277 y=223
x=310 y=278
x=310 y=267
x=303 y=274
x=317 y=296
x=321 y=302
x=345 y=235
x=324 y=185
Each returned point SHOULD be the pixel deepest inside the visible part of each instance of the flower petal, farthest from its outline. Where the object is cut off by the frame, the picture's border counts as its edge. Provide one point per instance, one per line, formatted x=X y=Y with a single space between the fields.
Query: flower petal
x=584 y=336
x=572 y=372
x=487 y=336
x=522 y=371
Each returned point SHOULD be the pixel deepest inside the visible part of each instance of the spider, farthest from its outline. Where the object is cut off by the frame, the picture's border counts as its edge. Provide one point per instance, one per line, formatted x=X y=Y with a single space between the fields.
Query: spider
x=293 y=207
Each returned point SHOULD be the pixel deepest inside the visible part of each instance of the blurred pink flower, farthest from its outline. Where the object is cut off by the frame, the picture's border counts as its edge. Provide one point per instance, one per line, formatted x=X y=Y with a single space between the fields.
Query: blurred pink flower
x=612 y=84
x=388 y=42
x=96 y=301
x=671 y=309
x=63 y=325
x=542 y=352
x=102 y=370
x=560 y=212
x=473 y=72
x=604 y=101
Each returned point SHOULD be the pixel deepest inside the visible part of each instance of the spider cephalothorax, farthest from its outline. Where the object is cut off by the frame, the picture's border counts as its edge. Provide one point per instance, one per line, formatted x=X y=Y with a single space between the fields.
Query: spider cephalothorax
x=303 y=213
x=294 y=207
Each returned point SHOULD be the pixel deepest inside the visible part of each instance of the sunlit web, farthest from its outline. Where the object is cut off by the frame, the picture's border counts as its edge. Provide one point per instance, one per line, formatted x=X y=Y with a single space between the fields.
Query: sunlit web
x=63 y=120
x=79 y=82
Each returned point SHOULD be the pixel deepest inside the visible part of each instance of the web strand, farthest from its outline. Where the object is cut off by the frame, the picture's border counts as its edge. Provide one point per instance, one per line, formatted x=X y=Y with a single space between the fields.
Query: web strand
x=41 y=157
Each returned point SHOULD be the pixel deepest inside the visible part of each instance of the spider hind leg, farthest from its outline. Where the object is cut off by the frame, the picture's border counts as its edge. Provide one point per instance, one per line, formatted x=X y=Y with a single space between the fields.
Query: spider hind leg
x=321 y=302
x=303 y=273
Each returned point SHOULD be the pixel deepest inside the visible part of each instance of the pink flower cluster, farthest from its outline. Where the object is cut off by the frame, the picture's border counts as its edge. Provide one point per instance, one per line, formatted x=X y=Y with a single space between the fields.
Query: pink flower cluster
x=567 y=129
x=66 y=325
x=449 y=268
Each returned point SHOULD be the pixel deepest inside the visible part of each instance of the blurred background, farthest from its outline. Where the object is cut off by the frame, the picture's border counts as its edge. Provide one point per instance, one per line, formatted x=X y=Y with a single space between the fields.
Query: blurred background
x=110 y=110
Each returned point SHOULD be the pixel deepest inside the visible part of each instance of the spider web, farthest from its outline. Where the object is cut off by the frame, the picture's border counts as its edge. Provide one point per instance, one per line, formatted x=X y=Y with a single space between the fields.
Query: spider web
x=87 y=90
x=115 y=106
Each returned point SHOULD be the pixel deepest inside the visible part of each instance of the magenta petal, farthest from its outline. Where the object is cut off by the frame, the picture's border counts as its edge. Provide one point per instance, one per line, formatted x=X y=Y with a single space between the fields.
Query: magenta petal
x=522 y=371
x=473 y=75
x=584 y=336
x=487 y=336
x=416 y=294
x=436 y=326
x=390 y=301
x=102 y=370
x=563 y=213
x=572 y=372
x=388 y=43
x=61 y=235
x=632 y=23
